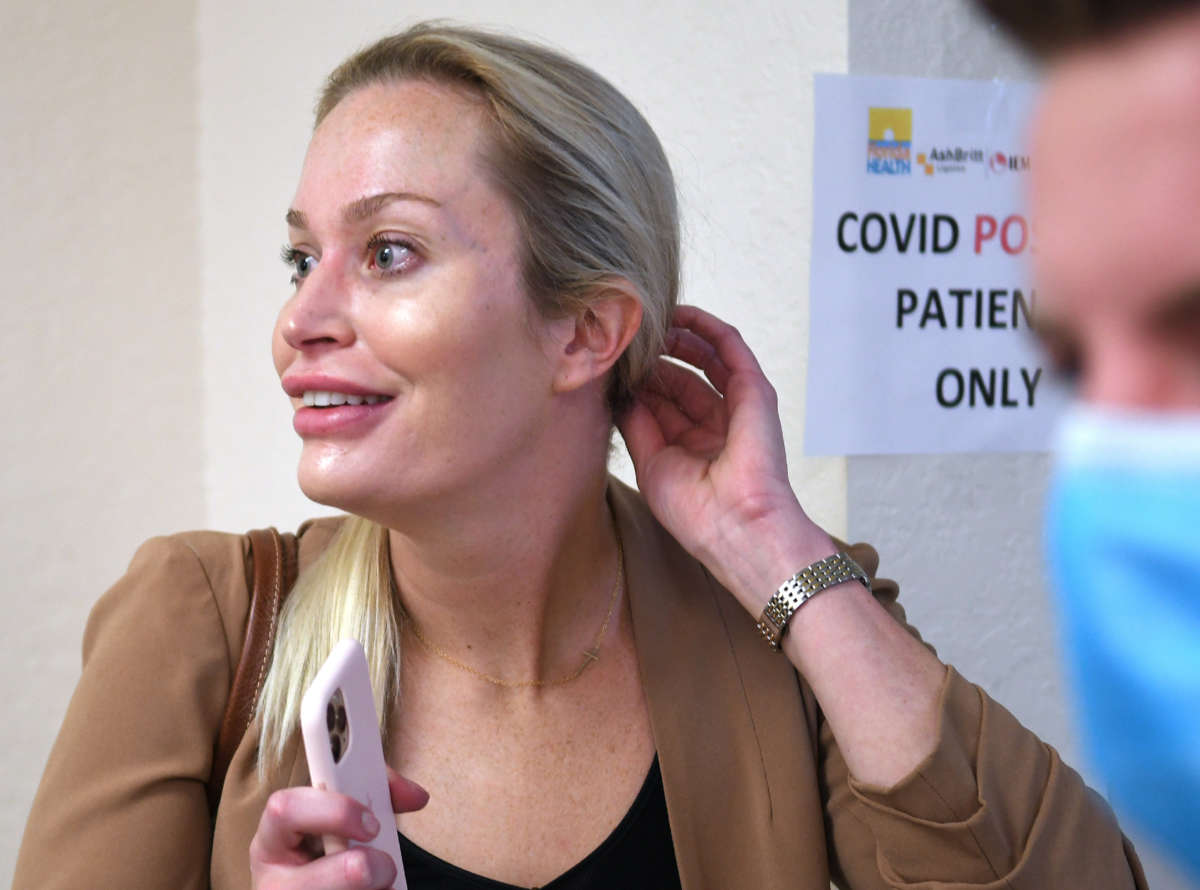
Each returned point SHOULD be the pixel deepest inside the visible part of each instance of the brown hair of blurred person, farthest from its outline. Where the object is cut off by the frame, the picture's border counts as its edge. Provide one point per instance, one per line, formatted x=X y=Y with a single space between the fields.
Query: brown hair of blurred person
x=1047 y=26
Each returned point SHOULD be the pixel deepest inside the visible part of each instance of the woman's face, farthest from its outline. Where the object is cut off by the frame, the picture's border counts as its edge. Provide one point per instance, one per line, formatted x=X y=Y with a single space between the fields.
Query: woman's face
x=409 y=318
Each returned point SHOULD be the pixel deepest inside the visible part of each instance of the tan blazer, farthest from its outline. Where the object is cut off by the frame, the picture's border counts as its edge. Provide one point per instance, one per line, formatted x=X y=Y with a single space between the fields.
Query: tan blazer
x=757 y=792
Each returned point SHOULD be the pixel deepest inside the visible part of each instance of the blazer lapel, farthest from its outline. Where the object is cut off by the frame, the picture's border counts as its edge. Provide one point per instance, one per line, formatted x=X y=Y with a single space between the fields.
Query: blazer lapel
x=728 y=721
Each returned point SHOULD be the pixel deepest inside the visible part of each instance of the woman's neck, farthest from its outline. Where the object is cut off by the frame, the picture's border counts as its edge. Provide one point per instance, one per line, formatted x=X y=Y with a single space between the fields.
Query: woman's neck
x=518 y=586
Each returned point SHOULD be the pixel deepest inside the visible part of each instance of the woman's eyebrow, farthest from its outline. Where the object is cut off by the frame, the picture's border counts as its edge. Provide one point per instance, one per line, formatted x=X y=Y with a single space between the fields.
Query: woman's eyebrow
x=363 y=208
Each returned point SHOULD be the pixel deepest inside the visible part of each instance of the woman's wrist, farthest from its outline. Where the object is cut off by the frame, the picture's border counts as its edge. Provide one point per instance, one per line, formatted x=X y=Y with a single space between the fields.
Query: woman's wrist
x=753 y=558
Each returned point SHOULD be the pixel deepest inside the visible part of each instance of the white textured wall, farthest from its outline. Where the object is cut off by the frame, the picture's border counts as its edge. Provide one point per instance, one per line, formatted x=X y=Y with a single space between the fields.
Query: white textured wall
x=100 y=312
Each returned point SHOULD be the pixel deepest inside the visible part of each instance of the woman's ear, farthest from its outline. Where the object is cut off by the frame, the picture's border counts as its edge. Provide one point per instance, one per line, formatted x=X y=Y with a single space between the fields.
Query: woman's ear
x=592 y=339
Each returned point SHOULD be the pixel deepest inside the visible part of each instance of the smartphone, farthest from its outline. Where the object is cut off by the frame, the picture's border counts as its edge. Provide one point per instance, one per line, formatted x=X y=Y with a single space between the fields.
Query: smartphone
x=341 y=740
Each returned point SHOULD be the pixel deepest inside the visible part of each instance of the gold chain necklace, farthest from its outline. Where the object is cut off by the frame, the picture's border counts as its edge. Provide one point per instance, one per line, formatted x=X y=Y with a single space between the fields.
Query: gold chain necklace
x=589 y=655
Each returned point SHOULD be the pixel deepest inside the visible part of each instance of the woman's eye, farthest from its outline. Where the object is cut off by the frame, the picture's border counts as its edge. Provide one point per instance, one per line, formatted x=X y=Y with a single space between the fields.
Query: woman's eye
x=384 y=256
x=302 y=263
x=390 y=256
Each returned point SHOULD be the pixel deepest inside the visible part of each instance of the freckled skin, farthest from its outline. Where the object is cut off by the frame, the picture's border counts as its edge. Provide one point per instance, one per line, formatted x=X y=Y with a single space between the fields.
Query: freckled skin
x=1116 y=199
x=454 y=339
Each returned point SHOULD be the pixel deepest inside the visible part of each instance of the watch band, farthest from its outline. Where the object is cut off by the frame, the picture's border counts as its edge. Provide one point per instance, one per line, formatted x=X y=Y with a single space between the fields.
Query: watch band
x=803 y=586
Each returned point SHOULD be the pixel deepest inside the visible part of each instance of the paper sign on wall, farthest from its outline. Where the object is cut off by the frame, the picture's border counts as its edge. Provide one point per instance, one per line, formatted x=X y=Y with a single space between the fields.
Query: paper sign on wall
x=921 y=292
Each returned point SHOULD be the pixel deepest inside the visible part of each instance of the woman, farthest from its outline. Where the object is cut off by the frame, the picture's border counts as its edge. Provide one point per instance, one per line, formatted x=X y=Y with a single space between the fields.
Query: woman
x=484 y=247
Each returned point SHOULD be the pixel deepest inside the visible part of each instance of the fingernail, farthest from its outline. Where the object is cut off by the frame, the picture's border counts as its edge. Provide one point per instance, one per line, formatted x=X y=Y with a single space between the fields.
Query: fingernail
x=370 y=823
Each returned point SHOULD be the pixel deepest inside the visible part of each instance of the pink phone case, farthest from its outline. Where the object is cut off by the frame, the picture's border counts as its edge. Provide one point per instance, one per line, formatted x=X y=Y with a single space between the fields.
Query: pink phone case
x=341 y=740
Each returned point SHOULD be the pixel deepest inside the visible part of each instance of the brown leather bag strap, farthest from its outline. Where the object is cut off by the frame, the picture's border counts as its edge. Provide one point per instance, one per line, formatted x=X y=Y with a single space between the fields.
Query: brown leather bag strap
x=274 y=558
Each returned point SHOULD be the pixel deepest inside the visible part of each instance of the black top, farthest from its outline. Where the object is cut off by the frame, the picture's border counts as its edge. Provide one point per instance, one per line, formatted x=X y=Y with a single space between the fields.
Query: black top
x=637 y=854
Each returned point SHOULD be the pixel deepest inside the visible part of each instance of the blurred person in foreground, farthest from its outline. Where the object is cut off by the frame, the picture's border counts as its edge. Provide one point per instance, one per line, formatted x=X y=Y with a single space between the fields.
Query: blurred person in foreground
x=1116 y=199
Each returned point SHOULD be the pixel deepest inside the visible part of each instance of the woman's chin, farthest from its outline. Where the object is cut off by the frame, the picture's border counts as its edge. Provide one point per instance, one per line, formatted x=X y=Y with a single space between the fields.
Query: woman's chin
x=321 y=493
x=330 y=482
x=363 y=491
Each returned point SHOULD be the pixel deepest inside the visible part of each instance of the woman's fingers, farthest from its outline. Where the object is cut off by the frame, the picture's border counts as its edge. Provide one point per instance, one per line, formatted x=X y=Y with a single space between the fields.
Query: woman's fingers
x=642 y=435
x=407 y=795
x=362 y=868
x=684 y=389
x=677 y=406
x=690 y=347
x=281 y=854
x=725 y=340
x=293 y=814
x=716 y=348
x=671 y=422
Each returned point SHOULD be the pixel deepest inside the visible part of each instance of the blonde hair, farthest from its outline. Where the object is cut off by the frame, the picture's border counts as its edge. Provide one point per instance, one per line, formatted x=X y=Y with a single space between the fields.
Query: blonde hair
x=595 y=200
x=347 y=592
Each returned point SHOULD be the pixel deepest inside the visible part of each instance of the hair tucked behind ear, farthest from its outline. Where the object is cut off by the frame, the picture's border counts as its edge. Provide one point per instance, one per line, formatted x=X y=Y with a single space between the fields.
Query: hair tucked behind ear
x=595 y=199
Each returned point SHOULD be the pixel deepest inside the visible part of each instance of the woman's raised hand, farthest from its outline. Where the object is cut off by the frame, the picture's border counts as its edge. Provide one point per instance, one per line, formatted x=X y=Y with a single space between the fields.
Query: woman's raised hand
x=710 y=464
x=284 y=854
x=710 y=460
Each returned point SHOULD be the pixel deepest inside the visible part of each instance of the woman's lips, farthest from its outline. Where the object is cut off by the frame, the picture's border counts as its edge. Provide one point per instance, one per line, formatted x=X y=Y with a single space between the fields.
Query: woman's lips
x=342 y=417
x=299 y=384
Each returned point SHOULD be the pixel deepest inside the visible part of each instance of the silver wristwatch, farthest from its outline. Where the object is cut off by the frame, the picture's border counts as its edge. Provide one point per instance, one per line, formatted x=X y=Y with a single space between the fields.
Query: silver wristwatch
x=801 y=587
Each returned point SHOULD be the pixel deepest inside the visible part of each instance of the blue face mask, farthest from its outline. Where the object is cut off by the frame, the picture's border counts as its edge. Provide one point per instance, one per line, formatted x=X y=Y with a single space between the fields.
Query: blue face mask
x=1124 y=544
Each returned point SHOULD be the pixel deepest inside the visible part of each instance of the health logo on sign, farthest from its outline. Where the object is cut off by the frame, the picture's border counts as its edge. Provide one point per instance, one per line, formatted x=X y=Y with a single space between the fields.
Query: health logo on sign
x=1001 y=162
x=889 y=141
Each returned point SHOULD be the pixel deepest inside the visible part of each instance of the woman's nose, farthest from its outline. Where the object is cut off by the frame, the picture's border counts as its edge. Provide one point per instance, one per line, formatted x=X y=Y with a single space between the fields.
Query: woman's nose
x=318 y=316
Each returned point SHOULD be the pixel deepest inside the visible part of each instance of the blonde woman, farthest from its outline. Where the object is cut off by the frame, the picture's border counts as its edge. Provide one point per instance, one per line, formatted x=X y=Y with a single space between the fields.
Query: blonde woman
x=484 y=249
